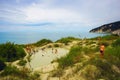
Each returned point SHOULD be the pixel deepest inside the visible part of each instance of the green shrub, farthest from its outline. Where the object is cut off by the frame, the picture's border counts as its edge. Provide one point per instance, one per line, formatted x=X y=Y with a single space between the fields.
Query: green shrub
x=106 y=37
x=109 y=37
x=116 y=43
x=56 y=45
x=75 y=56
x=22 y=62
x=106 y=71
x=2 y=64
x=115 y=51
x=15 y=74
x=57 y=73
x=14 y=71
x=64 y=40
x=49 y=46
x=9 y=70
x=34 y=76
x=106 y=43
x=11 y=52
x=72 y=57
x=43 y=42
x=67 y=40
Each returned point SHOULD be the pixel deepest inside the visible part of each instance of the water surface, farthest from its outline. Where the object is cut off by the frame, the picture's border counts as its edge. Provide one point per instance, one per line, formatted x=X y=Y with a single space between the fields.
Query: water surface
x=31 y=37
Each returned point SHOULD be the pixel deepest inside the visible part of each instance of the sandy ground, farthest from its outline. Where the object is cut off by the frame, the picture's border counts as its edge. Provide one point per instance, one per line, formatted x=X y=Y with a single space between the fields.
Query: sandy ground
x=41 y=60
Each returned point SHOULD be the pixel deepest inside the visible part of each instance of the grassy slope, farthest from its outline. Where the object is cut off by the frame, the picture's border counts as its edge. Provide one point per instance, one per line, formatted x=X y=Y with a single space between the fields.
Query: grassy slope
x=84 y=62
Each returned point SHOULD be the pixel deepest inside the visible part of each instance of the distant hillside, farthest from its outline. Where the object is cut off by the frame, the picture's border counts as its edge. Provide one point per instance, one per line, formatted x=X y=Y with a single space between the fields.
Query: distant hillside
x=113 y=28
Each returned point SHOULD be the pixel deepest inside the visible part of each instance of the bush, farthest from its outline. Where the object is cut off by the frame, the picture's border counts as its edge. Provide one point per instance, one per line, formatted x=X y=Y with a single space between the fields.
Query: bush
x=106 y=71
x=115 y=51
x=49 y=46
x=71 y=58
x=104 y=43
x=22 y=62
x=9 y=70
x=11 y=52
x=67 y=40
x=15 y=74
x=64 y=40
x=106 y=37
x=43 y=42
x=56 y=45
x=74 y=56
x=116 y=43
x=109 y=37
x=2 y=64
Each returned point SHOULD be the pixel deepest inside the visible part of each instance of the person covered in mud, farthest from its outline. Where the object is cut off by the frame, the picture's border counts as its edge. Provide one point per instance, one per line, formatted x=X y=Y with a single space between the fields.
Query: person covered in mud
x=102 y=48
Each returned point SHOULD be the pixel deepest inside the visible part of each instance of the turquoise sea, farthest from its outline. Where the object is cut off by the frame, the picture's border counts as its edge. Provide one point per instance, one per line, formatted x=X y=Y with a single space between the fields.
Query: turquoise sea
x=24 y=37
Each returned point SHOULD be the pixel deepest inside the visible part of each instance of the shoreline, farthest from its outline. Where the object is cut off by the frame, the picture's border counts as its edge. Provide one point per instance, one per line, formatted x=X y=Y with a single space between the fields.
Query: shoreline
x=24 y=40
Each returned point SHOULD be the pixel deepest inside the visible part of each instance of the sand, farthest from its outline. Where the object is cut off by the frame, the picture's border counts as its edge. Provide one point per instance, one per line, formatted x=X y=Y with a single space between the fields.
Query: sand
x=42 y=59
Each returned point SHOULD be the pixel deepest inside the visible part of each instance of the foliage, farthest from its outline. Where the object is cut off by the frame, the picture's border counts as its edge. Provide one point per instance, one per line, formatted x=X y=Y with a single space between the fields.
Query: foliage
x=75 y=55
x=56 y=45
x=69 y=58
x=106 y=37
x=109 y=37
x=14 y=71
x=2 y=64
x=105 y=43
x=115 y=51
x=67 y=40
x=22 y=62
x=116 y=43
x=34 y=76
x=43 y=42
x=11 y=52
x=57 y=73
x=105 y=68
x=49 y=46
x=15 y=74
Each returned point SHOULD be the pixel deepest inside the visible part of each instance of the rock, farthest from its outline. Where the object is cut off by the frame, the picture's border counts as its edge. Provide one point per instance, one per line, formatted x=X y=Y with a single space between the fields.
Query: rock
x=113 y=28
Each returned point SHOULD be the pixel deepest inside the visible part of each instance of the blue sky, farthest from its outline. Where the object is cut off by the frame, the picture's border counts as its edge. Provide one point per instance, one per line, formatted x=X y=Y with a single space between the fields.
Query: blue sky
x=18 y=15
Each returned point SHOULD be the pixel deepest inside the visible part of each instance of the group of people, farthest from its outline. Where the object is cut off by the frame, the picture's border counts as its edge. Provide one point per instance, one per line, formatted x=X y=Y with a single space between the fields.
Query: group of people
x=53 y=50
x=30 y=49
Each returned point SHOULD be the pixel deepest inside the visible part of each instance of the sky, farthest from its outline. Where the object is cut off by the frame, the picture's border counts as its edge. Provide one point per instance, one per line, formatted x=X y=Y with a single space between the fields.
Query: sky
x=27 y=15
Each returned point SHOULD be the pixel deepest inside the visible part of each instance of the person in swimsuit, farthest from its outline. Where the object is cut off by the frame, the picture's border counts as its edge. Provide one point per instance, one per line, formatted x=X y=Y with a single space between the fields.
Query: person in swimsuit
x=102 y=48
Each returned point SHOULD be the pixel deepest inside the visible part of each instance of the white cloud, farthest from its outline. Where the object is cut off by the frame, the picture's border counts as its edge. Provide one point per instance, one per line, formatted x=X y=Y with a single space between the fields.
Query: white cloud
x=36 y=13
x=92 y=13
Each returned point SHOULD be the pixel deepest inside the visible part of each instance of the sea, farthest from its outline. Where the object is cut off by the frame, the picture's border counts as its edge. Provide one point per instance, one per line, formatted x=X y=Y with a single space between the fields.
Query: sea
x=26 y=37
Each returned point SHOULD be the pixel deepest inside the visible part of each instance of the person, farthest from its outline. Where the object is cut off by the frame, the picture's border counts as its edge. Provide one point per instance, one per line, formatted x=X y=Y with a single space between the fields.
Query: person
x=102 y=48
x=55 y=51
x=52 y=50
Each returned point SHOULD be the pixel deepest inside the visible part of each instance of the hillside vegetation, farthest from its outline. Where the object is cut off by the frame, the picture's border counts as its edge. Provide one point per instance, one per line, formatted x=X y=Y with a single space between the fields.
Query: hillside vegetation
x=10 y=52
x=83 y=62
